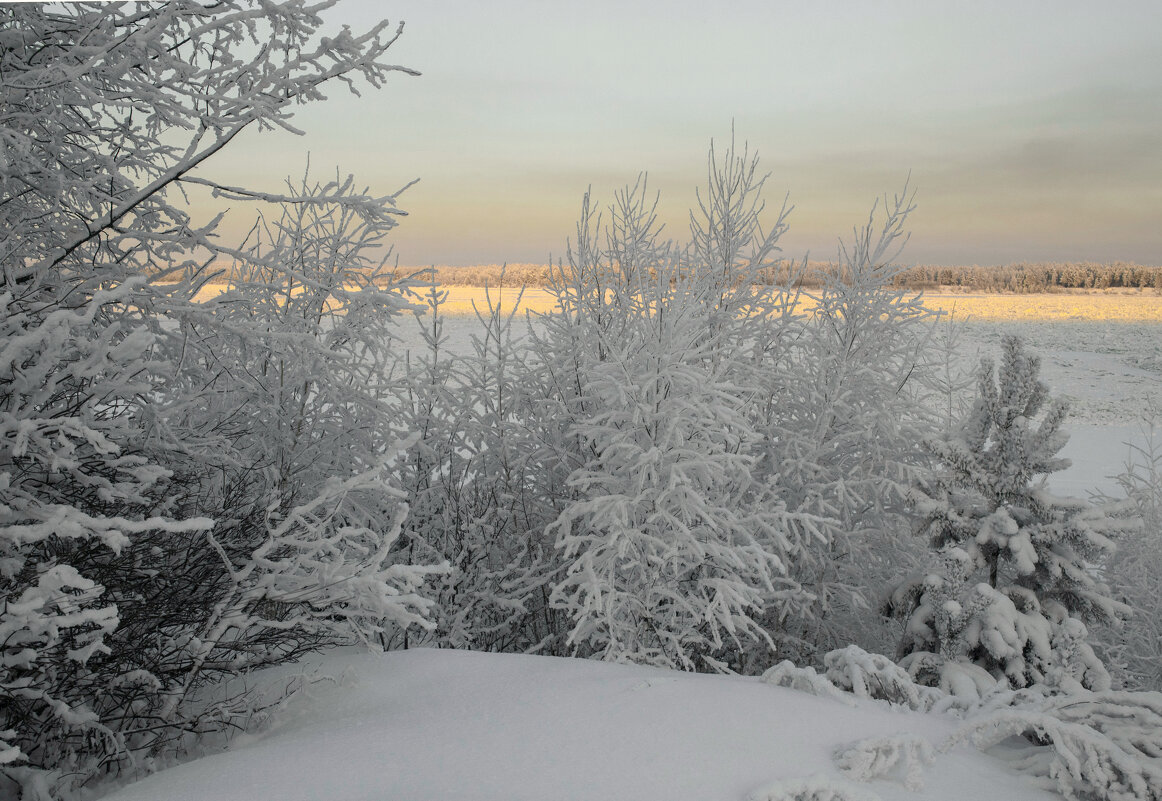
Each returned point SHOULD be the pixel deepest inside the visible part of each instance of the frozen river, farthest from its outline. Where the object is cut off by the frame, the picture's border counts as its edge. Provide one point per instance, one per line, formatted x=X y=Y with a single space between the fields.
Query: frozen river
x=1108 y=371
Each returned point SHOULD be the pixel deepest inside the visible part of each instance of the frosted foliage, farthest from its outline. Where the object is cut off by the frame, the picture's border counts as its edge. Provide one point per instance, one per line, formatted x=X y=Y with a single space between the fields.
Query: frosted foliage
x=901 y=756
x=321 y=563
x=786 y=674
x=843 y=428
x=875 y=676
x=71 y=487
x=476 y=495
x=962 y=683
x=285 y=400
x=1017 y=574
x=854 y=673
x=87 y=171
x=1134 y=648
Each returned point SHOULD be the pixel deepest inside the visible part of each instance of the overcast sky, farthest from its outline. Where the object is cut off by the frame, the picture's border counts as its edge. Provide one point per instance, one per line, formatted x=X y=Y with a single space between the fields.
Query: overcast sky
x=1032 y=130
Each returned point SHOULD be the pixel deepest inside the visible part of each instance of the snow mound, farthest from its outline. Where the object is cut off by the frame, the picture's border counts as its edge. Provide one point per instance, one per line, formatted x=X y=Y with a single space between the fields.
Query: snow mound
x=429 y=725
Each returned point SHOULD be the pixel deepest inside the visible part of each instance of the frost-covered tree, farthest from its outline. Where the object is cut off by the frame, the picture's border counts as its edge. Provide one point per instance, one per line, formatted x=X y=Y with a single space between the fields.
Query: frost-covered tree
x=109 y=558
x=1020 y=564
x=671 y=548
x=843 y=429
x=75 y=491
x=284 y=398
x=818 y=397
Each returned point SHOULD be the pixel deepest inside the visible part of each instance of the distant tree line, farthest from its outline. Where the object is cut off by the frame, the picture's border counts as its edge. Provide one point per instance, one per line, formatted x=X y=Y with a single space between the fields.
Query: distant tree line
x=1020 y=277
x=1036 y=276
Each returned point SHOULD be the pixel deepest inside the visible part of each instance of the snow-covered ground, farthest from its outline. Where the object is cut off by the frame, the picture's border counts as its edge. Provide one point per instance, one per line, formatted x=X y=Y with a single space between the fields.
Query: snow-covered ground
x=427 y=725
x=443 y=725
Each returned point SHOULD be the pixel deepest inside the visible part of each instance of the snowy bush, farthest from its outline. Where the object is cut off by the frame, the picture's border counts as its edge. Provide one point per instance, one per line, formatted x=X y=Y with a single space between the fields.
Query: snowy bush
x=694 y=413
x=853 y=673
x=1134 y=648
x=1018 y=571
x=76 y=493
x=875 y=676
x=473 y=487
x=806 y=680
x=843 y=425
x=672 y=549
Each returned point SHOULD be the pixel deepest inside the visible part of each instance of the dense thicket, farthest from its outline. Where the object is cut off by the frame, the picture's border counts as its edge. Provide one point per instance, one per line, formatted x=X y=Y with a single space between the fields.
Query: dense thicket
x=678 y=466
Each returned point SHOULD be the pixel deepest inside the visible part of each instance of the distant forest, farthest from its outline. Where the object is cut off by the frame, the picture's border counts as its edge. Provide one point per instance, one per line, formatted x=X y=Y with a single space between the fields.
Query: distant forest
x=1022 y=277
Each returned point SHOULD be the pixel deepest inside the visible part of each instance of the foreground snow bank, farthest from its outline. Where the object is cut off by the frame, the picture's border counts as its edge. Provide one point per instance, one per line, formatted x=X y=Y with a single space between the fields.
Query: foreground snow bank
x=450 y=725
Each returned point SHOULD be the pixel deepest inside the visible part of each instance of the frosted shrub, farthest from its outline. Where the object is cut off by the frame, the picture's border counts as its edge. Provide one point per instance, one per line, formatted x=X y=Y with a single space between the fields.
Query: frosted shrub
x=286 y=394
x=854 y=673
x=875 y=676
x=473 y=487
x=75 y=492
x=694 y=413
x=1105 y=746
x=806 y=680
x=1135 y=570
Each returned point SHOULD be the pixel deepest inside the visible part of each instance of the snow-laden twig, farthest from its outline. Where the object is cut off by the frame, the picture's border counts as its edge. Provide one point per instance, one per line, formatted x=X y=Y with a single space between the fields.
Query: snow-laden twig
x=903 y=756
x=812 y=788
x=1105 y=746
x=786 y=674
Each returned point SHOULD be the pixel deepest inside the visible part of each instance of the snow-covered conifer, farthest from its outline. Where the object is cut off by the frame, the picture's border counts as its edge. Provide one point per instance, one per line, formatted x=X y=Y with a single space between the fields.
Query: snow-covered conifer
x=1020 y=564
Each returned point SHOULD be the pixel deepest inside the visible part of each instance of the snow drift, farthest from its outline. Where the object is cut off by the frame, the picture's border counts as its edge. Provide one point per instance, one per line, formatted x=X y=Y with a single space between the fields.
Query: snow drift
x=444 y=725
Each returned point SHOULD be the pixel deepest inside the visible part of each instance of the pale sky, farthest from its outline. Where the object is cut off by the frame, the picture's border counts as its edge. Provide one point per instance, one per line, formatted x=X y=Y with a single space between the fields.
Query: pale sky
x=1032 y=130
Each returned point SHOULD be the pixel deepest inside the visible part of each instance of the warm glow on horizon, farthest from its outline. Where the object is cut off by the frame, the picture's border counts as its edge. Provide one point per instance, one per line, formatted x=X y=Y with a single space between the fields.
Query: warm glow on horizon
x=1030 y=132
